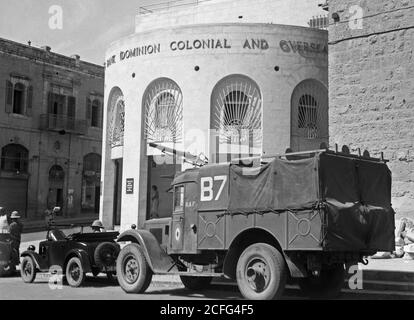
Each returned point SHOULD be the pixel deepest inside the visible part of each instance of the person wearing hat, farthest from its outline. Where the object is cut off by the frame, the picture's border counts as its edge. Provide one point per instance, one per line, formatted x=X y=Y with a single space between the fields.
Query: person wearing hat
x=4 y=224
x=97 y=226
x=16 y=229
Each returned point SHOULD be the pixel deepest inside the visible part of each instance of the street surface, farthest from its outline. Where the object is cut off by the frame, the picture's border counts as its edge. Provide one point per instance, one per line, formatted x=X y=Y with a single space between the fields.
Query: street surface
x=102 y=289
x=391 y=279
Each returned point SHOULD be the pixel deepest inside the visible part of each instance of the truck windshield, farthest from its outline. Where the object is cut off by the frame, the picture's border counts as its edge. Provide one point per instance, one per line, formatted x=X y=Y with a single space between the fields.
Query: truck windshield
x=179 y=199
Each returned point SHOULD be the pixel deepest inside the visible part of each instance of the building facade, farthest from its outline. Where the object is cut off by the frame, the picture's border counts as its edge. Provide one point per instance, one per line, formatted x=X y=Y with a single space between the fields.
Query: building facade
x=371 y=94
x=218 y=81
x=50 y=132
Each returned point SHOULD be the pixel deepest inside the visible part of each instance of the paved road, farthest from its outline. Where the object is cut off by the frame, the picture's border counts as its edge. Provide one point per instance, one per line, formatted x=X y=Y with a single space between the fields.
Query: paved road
x=101 y=289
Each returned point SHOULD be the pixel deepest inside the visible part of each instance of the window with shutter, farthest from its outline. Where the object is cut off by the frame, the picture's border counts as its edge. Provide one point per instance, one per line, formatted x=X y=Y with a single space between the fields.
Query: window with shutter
x=9 y=97
x=29 y=101
x=50 y=100
x=88 y=110
x=72 y=107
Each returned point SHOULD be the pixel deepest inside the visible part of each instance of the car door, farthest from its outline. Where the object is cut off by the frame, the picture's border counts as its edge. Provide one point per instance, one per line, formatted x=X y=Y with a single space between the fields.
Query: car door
x=56 y=252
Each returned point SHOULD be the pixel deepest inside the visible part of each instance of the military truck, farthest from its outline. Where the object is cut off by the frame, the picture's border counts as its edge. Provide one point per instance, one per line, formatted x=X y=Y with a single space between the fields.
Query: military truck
x=303 y=217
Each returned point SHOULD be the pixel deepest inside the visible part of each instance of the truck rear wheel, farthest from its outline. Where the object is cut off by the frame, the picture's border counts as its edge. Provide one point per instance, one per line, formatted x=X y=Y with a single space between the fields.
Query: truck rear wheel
x=196 y=283
x=132 y=269
x=261 y=272
x=327 y=285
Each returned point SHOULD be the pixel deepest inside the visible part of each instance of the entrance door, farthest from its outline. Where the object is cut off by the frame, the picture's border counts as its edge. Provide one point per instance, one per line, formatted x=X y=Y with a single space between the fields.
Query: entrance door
x=118 y=192
x=13 y=195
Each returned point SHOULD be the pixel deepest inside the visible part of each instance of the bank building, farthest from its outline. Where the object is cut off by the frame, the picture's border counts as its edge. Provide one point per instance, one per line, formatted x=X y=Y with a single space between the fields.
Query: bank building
x=216 y=79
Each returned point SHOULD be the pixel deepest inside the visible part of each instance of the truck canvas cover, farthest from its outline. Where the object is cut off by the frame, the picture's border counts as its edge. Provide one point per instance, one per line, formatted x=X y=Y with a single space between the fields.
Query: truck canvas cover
x=353 y=193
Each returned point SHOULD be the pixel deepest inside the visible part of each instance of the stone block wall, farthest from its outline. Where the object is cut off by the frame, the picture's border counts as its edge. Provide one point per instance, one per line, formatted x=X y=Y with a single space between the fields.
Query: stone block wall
x=371 y=77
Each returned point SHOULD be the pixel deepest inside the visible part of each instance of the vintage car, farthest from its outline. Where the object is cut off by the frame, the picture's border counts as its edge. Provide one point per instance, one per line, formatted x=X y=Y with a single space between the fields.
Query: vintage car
x=8 y=256
x=74 y=255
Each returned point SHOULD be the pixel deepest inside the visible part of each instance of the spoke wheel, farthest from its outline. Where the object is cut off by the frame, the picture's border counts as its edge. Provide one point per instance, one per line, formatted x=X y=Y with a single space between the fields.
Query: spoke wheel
x=75 y=275
x=28 y=270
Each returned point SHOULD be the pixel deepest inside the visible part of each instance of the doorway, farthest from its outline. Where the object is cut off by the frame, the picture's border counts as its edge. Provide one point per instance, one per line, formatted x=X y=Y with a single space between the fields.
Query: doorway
x=161 y=176
x=118 y=192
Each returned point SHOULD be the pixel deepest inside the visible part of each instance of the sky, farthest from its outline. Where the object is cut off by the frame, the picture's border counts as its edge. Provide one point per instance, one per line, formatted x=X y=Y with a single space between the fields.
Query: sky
x=88 y=28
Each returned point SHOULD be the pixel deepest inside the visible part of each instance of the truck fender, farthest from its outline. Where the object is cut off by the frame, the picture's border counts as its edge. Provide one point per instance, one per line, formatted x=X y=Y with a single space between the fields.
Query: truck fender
x=158 y=260
x=41 y=264
x=82 y=255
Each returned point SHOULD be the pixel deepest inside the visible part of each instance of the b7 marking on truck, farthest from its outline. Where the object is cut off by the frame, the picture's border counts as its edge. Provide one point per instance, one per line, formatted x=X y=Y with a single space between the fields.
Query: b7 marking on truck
x=207 y=183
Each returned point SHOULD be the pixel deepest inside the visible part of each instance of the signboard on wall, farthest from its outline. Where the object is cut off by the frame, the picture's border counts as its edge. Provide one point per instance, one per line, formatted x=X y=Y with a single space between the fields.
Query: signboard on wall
x=130 y=186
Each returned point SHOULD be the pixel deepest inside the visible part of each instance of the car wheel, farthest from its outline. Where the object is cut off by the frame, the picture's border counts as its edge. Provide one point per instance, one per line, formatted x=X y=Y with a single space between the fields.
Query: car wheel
x=327 y=285
x=75 y=275
x=261 y=272
x=105 y=254
x=196 y=283
x=28 y=270
x=132 y=269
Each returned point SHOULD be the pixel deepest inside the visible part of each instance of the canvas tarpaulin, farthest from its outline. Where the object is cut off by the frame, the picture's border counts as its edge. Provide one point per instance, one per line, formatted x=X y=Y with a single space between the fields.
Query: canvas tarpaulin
x=279 y=185
x=357 y=195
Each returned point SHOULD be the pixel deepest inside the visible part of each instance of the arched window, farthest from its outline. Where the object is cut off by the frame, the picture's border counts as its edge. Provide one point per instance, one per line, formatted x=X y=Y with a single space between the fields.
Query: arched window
x=15 y=157
x=56 y=174
x=18 y=98
x=116 y=116
x=96 y=114
x=236 y=119
x=163 y=107
x=91 y=183
x=309 y=123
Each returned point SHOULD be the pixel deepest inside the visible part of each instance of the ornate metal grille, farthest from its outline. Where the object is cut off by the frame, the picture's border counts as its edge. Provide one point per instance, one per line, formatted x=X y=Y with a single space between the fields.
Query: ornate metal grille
x=117 y=120
x=309 y=114
x=163 y=105
x=237 y=113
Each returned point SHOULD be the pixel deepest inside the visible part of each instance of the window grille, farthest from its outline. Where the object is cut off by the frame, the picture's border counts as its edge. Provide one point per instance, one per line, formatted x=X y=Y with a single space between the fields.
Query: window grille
x=236 y=116
x=117 y=118
x=309 y=115
x=163 y=105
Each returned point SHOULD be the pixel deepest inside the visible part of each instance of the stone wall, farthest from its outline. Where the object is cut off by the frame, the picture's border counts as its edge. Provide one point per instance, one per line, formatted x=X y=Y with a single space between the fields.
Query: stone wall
x=371 y=75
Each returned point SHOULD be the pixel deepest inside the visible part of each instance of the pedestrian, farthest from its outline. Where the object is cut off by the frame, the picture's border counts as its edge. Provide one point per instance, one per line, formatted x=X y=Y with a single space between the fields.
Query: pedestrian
x=16 y=229
x=155 y=202
x=4 y=224
x=97 y=226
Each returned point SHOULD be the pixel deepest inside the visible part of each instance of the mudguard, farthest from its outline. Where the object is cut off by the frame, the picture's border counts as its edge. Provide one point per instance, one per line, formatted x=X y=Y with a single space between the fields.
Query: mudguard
x=41 y=263
x=82 y=255
x=158 y=260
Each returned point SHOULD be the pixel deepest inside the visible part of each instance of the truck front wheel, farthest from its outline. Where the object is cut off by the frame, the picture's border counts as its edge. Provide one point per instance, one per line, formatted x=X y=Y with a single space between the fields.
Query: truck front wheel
x=261 y=272
x=327 y=285
x=196 y=283
x=132 y=269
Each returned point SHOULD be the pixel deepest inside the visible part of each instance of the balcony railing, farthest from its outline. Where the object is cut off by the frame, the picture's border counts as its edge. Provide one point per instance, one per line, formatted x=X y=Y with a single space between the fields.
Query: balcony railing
x=166 y=5
x=53 y=122
x=319 y=22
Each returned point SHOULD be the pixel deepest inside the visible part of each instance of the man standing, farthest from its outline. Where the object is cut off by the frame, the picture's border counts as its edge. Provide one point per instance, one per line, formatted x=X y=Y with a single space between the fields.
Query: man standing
x=16 y=229
x=155 y=202
x=4 y=224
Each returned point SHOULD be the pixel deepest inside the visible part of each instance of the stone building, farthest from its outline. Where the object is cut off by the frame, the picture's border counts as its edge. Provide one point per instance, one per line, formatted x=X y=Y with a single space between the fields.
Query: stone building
x=50 y=132
x=215 y=79
x=371 y=85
